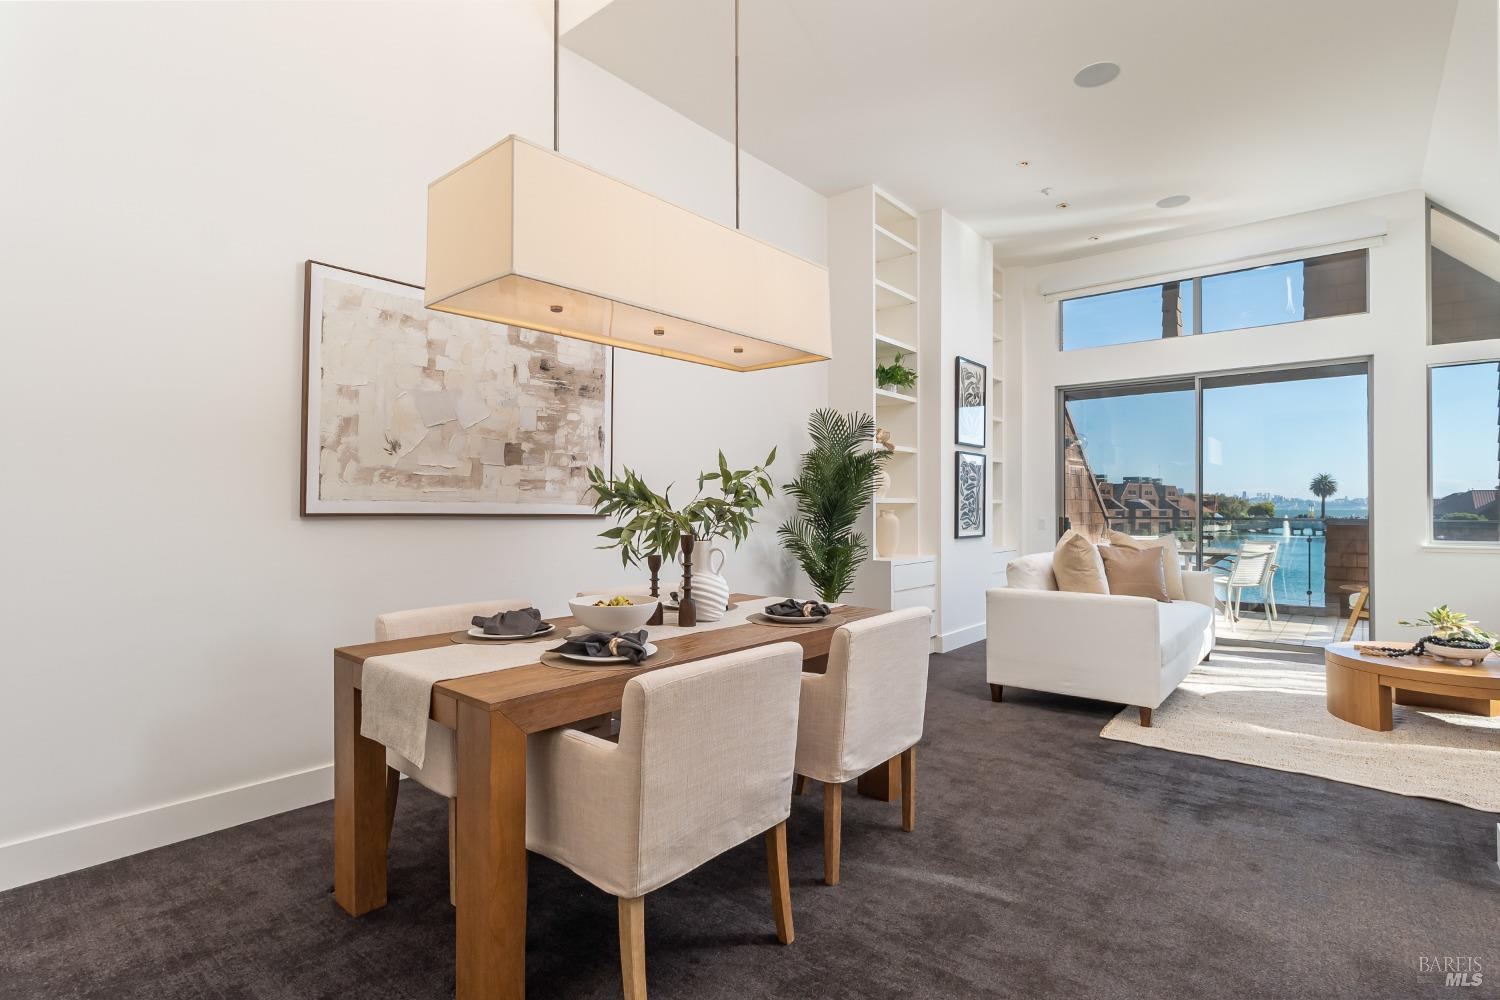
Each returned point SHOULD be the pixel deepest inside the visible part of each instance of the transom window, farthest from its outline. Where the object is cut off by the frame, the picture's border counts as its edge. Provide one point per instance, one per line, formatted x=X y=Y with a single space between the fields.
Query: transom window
x=1330 y=285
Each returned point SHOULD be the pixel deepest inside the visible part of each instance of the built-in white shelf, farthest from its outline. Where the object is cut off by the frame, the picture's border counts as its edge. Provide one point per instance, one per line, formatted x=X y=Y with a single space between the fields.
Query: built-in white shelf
x=888 y=296
x=889 y=246
x=895 y=502
x=887 y=396
x=903 y=449
x=892 y=342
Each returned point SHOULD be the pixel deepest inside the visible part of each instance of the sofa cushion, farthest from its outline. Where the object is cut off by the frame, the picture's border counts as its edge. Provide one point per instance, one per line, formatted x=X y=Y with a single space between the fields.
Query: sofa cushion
x=1077 y=565
x=1180 y=625
x=1135 y=572
x=1172 y=558
x=1032 y=572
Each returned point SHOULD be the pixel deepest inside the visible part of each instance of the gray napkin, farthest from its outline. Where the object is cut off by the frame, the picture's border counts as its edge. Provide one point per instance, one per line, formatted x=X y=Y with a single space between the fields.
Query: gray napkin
x=631 y=645
x=793 y=608
x=524 y=621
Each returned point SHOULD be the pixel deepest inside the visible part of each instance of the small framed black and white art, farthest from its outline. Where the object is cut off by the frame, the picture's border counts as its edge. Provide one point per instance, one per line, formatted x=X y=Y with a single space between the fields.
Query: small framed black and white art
x=971 y=394
x=968 y=494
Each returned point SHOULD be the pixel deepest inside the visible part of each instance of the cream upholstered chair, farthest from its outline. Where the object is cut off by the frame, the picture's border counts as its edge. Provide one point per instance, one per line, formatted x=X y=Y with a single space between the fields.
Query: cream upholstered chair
x=704 y=762
x=866 y=710
x=439 y=770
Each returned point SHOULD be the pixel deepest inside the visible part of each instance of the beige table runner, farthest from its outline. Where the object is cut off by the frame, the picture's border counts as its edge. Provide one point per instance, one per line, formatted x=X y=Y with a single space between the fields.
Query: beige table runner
x=396 y=690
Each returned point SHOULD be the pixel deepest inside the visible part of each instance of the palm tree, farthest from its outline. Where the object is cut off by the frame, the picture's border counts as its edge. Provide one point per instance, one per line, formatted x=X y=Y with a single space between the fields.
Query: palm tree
x=835 y=484
x=1323 y=487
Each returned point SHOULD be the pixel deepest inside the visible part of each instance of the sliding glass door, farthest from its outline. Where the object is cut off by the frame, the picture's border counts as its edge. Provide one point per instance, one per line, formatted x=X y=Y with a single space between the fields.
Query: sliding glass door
x=1271 y=462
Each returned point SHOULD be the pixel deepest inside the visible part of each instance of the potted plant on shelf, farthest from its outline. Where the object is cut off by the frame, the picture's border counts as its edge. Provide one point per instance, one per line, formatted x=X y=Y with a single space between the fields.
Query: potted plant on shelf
x=1453 y=636
x=895 y=377
x=649 y=526
x=835 y=483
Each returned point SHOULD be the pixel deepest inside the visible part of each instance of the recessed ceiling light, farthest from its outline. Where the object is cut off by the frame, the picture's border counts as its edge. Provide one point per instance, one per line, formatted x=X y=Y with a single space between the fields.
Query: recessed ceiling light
x=1172 y=201
x=1023 y=163
x=1093 y=239
x=1062 y=204
x=1096 y=74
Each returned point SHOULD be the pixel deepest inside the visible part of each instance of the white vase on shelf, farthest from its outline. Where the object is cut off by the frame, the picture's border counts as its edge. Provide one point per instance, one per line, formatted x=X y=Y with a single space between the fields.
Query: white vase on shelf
x=710 y=589
x=882 y=482
x=887 y=534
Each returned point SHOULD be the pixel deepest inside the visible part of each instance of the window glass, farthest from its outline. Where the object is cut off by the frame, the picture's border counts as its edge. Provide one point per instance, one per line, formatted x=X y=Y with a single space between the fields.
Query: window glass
x=1464 y=273
x=1465 y=429
x=1128 y=317
x=1330 y=285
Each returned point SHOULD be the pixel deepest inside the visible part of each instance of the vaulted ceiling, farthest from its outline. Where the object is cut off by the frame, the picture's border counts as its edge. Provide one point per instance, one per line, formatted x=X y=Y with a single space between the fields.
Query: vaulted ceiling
x=1253 y=110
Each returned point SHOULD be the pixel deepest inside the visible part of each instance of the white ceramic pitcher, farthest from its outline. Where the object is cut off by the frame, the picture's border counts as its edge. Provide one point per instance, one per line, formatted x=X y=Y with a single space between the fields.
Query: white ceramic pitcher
x=710 y=589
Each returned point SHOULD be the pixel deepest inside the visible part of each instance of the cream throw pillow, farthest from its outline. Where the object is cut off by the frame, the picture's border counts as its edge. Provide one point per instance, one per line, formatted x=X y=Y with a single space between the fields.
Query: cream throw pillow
x=1171 y=558
x=1077 y=565
x=1135 y=572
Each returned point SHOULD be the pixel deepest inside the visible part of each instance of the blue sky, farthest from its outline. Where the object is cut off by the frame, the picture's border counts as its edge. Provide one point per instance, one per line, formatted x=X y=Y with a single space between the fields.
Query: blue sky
x=1269 y=438
x=1465 y=407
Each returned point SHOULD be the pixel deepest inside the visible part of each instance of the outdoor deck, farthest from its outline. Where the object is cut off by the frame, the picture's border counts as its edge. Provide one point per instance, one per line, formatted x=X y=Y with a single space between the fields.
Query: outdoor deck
x=1297 y=627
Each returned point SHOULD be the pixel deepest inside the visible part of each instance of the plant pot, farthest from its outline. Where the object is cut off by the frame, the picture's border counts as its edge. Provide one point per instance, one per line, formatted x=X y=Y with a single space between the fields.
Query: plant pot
x=1463 y=655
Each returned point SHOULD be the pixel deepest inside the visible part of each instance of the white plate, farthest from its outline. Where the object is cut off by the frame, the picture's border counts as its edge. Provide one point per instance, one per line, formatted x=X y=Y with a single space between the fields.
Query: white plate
x=581 y=658
x=479 y=633
x=793 y=620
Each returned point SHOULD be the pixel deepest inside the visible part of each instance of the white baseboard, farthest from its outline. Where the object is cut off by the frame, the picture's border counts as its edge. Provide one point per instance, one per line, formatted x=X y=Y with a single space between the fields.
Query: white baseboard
x=62 y=851
x=959 y=637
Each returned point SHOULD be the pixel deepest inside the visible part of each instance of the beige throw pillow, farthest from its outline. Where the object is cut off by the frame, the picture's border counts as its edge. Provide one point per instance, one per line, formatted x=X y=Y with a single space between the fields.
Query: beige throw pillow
x=1077 y=565
x=1136 y=572
x=1171 y=557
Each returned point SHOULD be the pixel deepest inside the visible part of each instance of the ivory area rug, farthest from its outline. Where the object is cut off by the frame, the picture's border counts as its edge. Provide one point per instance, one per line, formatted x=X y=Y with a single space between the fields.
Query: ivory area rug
x=1270 y=711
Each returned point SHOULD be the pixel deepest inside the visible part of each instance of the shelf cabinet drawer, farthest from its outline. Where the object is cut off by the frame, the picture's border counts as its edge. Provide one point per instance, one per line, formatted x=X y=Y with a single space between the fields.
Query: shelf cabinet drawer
x=912 y=575
x=925 y=597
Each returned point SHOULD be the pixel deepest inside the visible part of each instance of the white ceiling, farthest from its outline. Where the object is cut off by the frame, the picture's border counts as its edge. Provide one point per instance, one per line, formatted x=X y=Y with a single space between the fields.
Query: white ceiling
x=1256 y=110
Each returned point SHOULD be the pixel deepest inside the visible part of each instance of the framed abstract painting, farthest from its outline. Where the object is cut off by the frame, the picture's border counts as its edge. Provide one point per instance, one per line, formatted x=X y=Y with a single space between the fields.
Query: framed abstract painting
x=968 y=494
x=971 y=393
x=409 y=411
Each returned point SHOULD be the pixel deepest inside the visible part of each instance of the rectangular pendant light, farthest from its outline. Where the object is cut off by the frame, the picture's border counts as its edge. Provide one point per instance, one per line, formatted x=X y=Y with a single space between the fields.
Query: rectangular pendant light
x=525 y=236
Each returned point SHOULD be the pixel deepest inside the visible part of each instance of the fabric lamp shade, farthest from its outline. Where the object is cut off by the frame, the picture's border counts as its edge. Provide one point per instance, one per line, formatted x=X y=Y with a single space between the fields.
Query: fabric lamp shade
x=525 y=236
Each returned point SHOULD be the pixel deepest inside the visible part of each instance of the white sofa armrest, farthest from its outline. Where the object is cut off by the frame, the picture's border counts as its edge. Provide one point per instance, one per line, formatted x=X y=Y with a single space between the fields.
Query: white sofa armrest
x=1198 y=587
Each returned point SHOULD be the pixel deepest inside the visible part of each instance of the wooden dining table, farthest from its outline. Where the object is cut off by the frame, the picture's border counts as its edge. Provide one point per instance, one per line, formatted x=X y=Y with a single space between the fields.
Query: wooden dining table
x=492 y=714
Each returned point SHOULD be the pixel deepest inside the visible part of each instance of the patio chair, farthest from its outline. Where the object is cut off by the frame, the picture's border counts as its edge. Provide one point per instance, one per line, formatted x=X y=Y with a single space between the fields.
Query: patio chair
x=1250 y=570
x=1268 y=587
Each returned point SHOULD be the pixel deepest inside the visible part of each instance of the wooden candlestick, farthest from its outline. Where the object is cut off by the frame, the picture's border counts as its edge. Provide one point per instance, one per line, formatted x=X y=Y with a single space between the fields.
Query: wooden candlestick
x=687 y=611
x=654 y=561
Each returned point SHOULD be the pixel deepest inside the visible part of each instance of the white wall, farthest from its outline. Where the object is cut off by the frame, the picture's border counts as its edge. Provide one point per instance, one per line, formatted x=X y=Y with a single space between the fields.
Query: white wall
x=957 y=320
x=167 y=170
x=1409 y=574
x=1462 y=169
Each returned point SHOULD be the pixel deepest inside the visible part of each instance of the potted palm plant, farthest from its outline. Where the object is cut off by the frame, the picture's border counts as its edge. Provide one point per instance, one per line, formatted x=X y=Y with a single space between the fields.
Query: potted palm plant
x=1454 y=636
x=835 y=483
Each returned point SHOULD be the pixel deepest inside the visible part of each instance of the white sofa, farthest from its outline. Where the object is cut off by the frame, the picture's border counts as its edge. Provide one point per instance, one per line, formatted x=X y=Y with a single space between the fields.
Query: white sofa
x=1132 y=650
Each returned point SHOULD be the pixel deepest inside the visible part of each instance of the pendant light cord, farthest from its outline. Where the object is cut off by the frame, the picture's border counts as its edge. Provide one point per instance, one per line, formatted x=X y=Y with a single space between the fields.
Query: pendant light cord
x=556 y=43
x=736 y=114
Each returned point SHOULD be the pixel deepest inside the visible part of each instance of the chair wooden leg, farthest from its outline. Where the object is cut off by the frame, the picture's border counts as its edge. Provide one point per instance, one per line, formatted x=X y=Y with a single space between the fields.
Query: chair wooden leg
x=996 y=691
x=452 y=852
x=909 y=788
x=633 y=947
x=833 y=821
x=1355 y=607
x=799 y=784
x=1146 y=717
x=392 y=789
x=781 y=889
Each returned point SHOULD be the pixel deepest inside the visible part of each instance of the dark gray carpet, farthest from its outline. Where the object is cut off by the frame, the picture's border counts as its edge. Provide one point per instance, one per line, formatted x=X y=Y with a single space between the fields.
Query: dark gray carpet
x=1046 y=862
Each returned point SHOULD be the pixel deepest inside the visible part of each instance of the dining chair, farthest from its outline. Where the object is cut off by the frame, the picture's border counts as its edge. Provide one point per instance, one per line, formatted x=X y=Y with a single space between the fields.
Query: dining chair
x=704 y=762
x=865 y=710
x=439 y=769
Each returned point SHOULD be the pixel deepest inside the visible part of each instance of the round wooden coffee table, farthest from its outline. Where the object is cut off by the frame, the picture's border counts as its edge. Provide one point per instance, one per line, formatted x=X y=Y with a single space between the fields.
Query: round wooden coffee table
x=1362 y=687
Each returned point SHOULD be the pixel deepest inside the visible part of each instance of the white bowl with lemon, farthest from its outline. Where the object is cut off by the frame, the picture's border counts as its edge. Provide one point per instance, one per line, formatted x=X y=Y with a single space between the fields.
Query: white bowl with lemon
x=613 y=612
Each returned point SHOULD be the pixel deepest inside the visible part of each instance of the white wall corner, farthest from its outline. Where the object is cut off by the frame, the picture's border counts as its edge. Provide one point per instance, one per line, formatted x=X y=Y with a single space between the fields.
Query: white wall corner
x=947 y=642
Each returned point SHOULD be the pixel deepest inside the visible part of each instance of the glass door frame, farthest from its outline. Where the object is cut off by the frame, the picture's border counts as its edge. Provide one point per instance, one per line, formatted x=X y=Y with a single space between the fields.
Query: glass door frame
x=1198 y=379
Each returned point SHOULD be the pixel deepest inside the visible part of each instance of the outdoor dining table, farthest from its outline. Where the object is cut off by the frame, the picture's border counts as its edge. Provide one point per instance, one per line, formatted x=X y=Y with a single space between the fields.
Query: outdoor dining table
x=493 y=713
